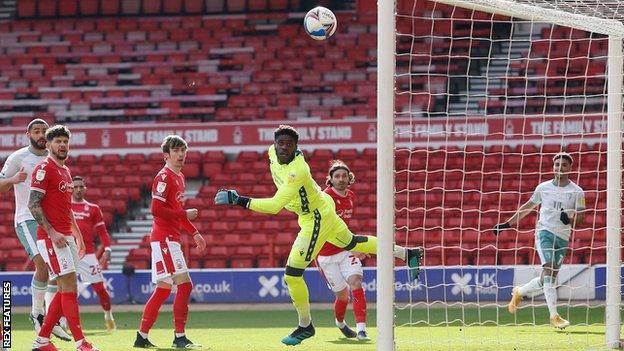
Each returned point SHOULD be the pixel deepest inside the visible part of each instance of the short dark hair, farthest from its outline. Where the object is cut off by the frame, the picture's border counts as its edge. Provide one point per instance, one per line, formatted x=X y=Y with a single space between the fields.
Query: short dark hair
x=56 y=131
x=36 y=121
x=336 y=165
x=74 y=178
x=171 y=142
x=563 y=155
x=287 y=130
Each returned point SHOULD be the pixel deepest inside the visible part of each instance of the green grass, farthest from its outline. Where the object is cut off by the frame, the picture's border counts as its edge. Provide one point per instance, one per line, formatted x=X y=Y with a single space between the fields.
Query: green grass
x=262 y=330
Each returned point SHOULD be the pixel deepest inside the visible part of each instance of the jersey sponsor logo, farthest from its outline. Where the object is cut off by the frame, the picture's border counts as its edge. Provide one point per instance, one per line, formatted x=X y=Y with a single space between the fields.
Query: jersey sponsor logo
x=160 y=187
x=40 y=174
x=66 y=187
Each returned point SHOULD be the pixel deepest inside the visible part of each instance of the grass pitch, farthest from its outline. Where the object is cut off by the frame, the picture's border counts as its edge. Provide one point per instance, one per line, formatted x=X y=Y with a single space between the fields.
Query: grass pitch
x=418 y=329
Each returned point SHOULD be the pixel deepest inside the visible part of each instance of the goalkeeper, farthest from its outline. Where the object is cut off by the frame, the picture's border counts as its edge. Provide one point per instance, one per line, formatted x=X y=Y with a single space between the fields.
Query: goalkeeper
x=562 y=205
x=298 y=192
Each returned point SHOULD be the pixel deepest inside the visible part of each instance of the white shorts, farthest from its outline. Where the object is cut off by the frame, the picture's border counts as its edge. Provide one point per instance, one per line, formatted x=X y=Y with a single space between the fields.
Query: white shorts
x=167 y=261
x=90 y=270
x=60 y=261
x=337 y=268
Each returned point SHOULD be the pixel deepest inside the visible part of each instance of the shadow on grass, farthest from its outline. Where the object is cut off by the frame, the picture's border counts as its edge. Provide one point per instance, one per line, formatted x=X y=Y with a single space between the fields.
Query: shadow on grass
x=345 y=341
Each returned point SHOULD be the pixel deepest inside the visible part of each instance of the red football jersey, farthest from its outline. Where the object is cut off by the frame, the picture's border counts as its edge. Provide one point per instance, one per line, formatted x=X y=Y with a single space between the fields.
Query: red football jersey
x=344 y=209
x=168 y=188
x=56 y=183
x=89 y=219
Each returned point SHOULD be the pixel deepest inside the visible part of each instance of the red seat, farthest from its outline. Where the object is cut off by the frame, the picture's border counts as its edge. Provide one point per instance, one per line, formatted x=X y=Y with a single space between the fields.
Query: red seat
x=68 y=8
x=110 y=7
x=243 y=257
x=26 y=8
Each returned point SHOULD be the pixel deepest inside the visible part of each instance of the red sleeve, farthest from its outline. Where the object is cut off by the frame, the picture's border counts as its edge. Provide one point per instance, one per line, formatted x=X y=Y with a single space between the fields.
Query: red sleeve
x=161 y=188
x=159 y=209
x=39 y=178
x=100 y=226
x=188 y=226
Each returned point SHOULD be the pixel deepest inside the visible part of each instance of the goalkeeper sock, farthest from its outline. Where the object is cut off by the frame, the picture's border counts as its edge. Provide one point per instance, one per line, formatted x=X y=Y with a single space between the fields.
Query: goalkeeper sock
x=550 y=293
x=531 y=287
x=300 y=298
x=340 y=309
x=150 y=313
x=359 y=305
x=369 y=246
x=400 y=252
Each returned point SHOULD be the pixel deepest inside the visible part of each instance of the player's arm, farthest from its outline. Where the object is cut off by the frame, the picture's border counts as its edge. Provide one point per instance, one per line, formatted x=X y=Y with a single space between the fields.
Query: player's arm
x=271 y=205
x=522 y=212
x=11 y=174
x=78 y=235
x=579 y=210
x=34 y=205
x=102 y=233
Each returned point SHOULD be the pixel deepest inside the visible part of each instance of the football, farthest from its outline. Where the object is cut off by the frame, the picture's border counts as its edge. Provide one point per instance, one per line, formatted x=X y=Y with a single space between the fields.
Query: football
x=320 y=23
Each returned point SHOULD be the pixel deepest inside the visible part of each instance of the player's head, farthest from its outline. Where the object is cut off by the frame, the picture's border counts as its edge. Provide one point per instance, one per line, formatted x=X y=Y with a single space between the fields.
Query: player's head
x=339 y=176
x=562 y=163
x=174 y=150
x=79 y=188
x=285 y=138
x=36 y=133
x=58 y=141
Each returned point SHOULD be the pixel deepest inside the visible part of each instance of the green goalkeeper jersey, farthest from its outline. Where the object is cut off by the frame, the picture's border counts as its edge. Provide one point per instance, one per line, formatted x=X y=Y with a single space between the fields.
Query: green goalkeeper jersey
x=296 y=189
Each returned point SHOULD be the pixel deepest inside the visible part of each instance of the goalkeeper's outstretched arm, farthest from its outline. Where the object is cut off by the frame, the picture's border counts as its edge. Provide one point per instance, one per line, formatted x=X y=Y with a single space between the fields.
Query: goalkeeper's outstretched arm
x=271 y=205
x=522 y=212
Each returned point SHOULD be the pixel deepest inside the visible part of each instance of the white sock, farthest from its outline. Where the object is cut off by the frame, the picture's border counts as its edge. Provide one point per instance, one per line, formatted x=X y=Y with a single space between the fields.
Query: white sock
x=144 y=335
x=179 y=335
x=79 y=343
x=49 y=295
x=38 y=296
x=304 y=322
x=361 y=327
x=340 y=324
x=400 y=252
x=532 y=286
x=63 y=322
x=550 y=293
x=42 y=340
x=108 y=315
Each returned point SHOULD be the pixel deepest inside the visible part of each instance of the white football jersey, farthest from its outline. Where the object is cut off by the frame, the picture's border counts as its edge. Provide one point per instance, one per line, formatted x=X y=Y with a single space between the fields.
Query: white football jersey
x=21 y=158
x=553 y=200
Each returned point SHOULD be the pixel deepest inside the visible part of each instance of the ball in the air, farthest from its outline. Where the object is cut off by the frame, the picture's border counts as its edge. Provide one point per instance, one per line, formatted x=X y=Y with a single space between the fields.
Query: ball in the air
x=320 y=23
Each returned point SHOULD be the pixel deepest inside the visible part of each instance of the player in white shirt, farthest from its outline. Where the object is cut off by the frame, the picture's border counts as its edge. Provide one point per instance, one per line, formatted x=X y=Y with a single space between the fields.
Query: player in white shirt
x=16 y=174
x=562 y=205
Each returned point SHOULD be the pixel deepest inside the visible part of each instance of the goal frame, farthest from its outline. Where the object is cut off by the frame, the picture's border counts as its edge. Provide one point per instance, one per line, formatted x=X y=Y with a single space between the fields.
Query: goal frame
x=386 y=50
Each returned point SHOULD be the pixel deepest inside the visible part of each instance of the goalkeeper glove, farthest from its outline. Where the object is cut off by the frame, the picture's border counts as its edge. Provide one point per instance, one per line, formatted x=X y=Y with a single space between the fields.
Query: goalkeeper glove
x=230 y=197
x=565 y=219
x=500 y=227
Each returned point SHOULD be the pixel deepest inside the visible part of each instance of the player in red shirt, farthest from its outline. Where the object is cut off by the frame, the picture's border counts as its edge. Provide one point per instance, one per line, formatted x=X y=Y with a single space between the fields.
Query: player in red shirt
x=90 y=221
x=343 y=269
x=58 y=237
x=168 y=263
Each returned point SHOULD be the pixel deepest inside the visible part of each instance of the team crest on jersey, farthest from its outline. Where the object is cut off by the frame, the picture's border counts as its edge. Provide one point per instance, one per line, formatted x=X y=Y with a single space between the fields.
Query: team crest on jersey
x=291 y=177
x=160 y=187
x=40 y=175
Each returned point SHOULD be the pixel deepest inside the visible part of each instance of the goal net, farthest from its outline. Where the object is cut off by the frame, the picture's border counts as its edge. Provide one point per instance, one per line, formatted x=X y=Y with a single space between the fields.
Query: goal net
x=486 y=92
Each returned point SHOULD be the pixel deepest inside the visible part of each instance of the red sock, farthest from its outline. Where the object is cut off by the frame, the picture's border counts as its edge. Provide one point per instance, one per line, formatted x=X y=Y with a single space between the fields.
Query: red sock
x=340 y=309
x=55 y=311
x=69 y=300
x=150 y=313
x=102 y=294
x=180 y=306
x=359 y=305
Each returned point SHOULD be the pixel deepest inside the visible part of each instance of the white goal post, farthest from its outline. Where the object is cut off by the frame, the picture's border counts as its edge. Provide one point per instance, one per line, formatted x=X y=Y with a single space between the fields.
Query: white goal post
x=604 y=17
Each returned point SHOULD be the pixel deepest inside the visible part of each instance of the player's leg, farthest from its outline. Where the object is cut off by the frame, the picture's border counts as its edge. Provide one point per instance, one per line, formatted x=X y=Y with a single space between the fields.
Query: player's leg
x=330 y=270
x=91 y=273
x=351 y=268
x=162 y=268
x=26 y=233
x=368 y=244
x=557 y=249
x=184 y=285
x=63 y=264
x=308 y=243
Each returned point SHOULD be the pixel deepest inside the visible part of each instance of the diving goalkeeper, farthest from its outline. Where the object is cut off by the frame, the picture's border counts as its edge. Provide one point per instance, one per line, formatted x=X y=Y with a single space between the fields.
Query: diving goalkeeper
x=298 y=192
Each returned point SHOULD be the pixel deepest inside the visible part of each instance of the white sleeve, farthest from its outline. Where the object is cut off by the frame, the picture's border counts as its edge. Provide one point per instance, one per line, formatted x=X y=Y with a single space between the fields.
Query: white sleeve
x=536 y=198
x=11 y=166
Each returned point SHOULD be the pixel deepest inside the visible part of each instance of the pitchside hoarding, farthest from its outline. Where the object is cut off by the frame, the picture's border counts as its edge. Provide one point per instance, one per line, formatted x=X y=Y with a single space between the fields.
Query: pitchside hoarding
x=488 y=283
